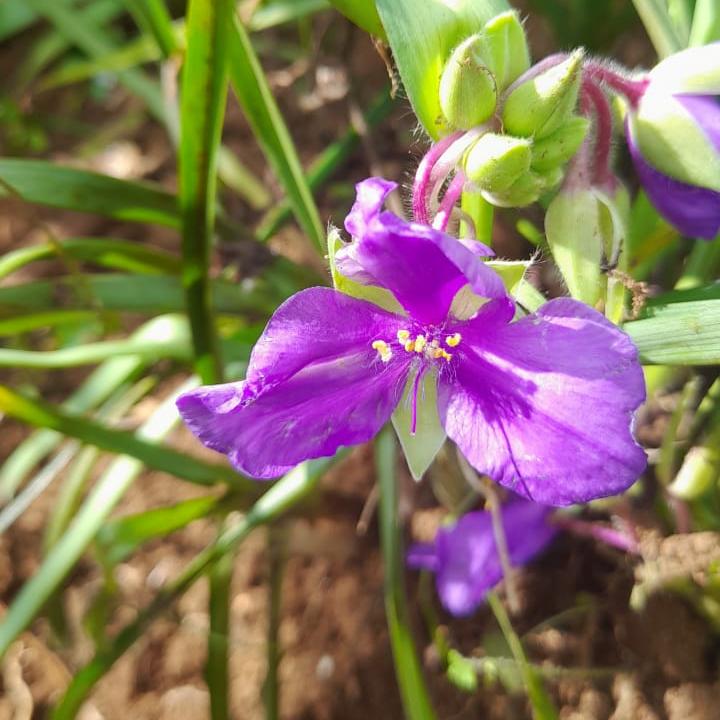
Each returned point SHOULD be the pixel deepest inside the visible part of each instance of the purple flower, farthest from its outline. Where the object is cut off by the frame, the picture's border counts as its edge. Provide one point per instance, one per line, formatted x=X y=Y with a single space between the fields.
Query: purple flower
x=465 y=559
x=674 y=140
x=543 y=405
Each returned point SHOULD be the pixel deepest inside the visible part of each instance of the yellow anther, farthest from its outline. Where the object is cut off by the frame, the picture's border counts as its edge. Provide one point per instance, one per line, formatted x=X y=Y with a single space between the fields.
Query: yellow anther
x=420 y=343
x=403 y=336
x=438 y=353
x=453 y=340
x=409 y=345
x=445 y=355
x=383 y=350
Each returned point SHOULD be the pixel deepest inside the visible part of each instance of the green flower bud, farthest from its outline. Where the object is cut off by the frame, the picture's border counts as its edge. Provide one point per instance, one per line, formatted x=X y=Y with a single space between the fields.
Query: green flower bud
x=495 y=162
x=524 y=191
x=557 y=148
x=673 y=141
x=542 y=104
x=585 y=229
x=468 y=93
x=506 y=49
x=692 y=71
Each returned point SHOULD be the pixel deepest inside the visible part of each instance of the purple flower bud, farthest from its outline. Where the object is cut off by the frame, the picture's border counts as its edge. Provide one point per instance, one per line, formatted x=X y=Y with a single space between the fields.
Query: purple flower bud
x=465 y=558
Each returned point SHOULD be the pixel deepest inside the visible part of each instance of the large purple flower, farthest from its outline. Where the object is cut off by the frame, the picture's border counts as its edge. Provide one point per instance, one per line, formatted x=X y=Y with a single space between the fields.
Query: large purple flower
x=543 y=405
x=674 y=140
x=465 y=558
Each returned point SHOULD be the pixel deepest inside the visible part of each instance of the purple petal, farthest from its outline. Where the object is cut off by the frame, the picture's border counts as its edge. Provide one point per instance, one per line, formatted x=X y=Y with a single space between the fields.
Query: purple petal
x=423 y=267
x=705 y=110
x=314 y=384
x=693 y=210
x=545 y=405
x=467 y=563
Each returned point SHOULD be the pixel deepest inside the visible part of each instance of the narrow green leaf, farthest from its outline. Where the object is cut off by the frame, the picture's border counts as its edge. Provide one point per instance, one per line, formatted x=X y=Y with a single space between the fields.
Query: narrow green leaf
x=18 y=324
x=279 y=12
x=202 y=108
x=706 y=23
x=679 y=333
x=422 y=35
x=153 y=16
x=285 y=494
x=39 y=414
x=45 y=183
x=140 y=293
x=363 y=13
x=415 y=697
x=15 y=16
x=658 y=23
x=217 y=675
x=261 y=110
x=115 y=254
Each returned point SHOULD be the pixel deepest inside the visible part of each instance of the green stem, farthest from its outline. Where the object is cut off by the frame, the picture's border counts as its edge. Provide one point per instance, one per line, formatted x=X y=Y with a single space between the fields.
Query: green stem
x=216 y=668
x=415 y=696
x=283 y=495
x=271 y=688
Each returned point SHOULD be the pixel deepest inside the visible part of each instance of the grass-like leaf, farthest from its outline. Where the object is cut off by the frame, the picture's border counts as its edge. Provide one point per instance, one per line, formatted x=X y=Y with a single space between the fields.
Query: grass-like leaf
x=261 y=110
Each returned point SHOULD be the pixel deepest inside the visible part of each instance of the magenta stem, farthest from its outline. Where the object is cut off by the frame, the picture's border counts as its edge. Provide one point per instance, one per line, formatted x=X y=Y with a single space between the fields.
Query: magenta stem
x=601 y=533
x=633 y=90
x=595 y=101
x=422 y=185
x=450 y=198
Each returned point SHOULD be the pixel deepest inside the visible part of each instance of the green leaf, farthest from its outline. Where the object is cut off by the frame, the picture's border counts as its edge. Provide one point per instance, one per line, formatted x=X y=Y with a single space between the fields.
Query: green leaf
x=705 y=27
x=154 y=18
x=122 y=442
x=271 y=14
x=261 y=110
x=121 y=537
x=15 y=16
x=363 y=13
x=414 y=693
x=115 y=254
x=202 y=108
x=422 y=35
x=45 y=183
x=679 y=333
x=140 y=293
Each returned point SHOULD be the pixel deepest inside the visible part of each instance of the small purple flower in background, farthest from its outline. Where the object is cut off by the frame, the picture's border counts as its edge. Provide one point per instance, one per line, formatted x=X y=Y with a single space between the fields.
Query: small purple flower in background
x=465 y=558
x=543 y=405
x=673 y=133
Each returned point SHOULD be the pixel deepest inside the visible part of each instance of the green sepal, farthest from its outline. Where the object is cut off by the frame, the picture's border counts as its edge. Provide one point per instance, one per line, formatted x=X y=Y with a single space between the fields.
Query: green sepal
x=512 y=272
x=524 y=191
x=542 y=104
x=507 y=52
x=495 y=161
x=672 y=142
x=421 y=448
x=379 y=296
x=422 y=36
x=558 y=148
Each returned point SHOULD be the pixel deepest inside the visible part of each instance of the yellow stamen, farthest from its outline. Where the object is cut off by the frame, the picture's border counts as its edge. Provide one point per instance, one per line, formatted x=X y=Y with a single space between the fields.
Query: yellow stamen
x=420 y=343
x=409 y=345
x=453 y=340
x=403 y=336
x=383 y=350
x=438 y=353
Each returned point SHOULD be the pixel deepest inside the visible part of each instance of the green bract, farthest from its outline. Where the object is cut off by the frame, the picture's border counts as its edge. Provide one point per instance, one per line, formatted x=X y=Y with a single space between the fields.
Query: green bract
x=495 y=162
x=557 y=148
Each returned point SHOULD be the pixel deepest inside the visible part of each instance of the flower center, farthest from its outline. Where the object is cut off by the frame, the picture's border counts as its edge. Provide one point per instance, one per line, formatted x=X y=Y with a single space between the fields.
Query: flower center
x=428 y=345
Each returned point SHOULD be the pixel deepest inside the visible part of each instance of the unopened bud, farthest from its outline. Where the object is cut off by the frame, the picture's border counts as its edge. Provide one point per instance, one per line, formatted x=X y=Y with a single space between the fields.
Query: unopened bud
x=495 y=162
x=506 y=48
x=524 y=191
x=556 y=149
x=468 y=92
x=692 y=71
x=542 y=104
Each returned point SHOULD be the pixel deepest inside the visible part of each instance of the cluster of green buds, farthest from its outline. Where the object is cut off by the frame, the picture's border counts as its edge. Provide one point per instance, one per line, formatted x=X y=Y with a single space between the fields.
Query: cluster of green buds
x=531 y=127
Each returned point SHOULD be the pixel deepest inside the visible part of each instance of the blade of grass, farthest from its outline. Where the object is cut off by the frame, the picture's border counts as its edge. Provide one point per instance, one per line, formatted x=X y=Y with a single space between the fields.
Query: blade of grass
x=542 y=705
x=281 y=497
x=93 y=40
x=269 y=128
x=216 y=667
x=415 y=697
x=142 y=294
x=202 y=107
x=45 y=183
x=63 y=556
x=20 y=324
x=136 y=445
x=271 y=686
x=153 y=16
x=106 y=252
x=323 y=167
x=658 y=23
x=271 y=14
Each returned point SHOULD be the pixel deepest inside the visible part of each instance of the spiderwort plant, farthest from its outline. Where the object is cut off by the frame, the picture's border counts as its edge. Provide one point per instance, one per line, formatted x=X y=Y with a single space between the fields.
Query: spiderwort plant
x=465 y=558
x=543 y=405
